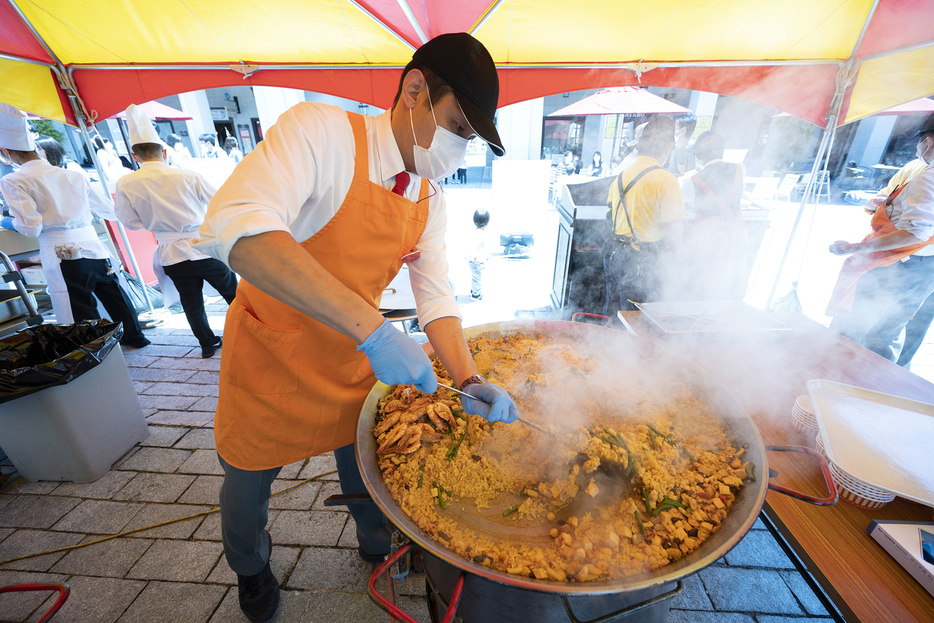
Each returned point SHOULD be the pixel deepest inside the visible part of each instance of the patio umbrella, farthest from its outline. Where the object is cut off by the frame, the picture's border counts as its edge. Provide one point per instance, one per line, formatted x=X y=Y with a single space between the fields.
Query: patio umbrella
x=621 y=101
x=158 y=112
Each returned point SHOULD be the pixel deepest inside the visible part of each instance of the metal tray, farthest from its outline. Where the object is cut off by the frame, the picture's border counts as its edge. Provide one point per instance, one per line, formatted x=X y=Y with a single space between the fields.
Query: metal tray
x=708 y=317
x=881 y=440
x=11 y=305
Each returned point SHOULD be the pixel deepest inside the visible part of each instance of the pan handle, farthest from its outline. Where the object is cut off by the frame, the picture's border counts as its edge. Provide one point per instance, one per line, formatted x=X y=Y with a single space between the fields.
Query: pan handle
x=606 y=319
x=627 y=610
x=832 y=496
x=63 y=591
x=393 y=609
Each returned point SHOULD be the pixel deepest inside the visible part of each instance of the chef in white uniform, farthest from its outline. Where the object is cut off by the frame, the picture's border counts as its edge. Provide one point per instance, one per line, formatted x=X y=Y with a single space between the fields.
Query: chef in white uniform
x=54 y=205
x=171 y=203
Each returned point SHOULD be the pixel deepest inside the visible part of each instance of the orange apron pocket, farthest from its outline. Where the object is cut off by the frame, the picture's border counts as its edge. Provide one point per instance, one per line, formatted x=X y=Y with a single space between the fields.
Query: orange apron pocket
x=269 y=357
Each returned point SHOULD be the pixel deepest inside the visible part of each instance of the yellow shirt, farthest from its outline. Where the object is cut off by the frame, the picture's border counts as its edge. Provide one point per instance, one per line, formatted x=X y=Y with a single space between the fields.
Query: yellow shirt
x=655 y=199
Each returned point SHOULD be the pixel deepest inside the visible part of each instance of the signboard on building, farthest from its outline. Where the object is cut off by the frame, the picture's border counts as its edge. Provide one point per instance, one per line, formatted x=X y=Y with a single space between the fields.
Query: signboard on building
x=219 y=114
x=246 y=141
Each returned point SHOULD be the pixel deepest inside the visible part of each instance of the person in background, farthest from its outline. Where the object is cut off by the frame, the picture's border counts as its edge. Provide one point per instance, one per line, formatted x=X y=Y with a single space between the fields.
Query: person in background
x=171 y=203
x=209 y=148
x=890 y=273
x=596 y=165
x=479 y=253
x=54 y=205
x=53 y=153
x=177 y=147
x=717 y=266
x=630 y=152
x=232 y=149
x=109 y=160
x=682 y=160
x=317 y=222
x=577 y=163
x=647 y=215
x=920 y=323
x=567 y=167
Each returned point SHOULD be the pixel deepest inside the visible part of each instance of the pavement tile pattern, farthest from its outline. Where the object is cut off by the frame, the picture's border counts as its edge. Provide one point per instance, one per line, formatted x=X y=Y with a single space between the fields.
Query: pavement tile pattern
x=178 y=572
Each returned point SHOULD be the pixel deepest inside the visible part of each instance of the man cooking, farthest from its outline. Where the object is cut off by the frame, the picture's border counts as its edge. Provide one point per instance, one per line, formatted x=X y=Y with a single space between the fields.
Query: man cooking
x=891 y=271
x=54 y=205
x=317 y=220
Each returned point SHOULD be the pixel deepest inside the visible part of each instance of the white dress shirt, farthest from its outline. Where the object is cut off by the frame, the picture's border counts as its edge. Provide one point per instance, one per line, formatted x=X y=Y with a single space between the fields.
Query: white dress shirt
x=43 y=198
x=164 y=199
x=913 y=209
x=296 y=180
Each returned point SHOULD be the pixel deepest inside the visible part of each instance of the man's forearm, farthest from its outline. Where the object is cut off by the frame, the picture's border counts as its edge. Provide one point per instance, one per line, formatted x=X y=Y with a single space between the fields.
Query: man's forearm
x=447 y=338
x=280 y=267
x=893 y=240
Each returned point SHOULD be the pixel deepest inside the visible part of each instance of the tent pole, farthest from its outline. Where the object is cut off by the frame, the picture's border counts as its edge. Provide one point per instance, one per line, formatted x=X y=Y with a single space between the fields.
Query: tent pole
x=845 y=78
x=77 y=107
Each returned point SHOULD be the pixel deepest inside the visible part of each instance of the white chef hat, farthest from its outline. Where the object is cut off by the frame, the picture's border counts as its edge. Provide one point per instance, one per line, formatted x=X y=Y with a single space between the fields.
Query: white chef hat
x=14 y=130
x=141 y=128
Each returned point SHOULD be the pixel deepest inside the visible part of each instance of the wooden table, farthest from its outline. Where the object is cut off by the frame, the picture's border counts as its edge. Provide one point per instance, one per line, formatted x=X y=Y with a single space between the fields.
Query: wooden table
x=767 y=370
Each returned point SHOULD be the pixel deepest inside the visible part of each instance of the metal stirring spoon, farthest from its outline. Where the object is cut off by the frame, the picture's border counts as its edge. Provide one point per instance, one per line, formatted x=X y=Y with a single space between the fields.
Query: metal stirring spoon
x=526 y=422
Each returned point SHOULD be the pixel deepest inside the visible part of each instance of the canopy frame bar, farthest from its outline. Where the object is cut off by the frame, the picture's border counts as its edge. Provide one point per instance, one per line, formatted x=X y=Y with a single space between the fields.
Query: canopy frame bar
x=409 y=15
x=485 y=17
x=21 y=59
x=862 y=33
x=894 y=51
x=381 y=24
x=503 y=66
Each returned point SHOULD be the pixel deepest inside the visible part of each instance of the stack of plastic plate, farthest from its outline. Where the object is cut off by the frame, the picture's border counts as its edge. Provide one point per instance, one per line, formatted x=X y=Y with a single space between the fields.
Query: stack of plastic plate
x=857 y=492
x=820 y=446
x=802 y=415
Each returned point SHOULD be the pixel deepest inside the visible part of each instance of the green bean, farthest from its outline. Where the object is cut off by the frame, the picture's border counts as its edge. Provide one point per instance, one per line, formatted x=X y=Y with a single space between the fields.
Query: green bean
x=511 y=509
x=458 y=413
x=606 y=439
x=641 y=525
x=652 y=438
x=750 y=471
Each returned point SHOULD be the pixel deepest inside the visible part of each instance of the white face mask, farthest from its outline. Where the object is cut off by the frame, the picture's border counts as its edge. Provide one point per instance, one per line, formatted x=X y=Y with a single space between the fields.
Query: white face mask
x=446 y=154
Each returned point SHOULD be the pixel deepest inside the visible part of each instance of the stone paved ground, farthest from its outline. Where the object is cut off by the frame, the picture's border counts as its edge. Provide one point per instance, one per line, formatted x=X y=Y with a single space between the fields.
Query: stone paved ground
x=177 y=572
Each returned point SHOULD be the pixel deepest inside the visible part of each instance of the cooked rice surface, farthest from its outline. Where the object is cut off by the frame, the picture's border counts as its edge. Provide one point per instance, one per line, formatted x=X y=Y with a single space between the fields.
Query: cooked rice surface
x=675 y=468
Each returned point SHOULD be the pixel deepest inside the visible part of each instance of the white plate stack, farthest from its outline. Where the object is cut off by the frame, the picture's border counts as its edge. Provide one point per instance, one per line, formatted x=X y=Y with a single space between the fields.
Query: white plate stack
x=802 y=416
x=857 y=492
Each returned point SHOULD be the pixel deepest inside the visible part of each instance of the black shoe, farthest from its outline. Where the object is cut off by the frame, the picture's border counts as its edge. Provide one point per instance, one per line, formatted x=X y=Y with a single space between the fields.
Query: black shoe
x=374 y=558
x=259 y=594
x=136 y=342
x=208 y=351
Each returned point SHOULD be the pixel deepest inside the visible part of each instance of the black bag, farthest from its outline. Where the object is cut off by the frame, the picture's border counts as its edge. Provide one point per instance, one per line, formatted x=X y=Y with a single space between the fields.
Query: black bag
x=135 y=292
x=53 y=354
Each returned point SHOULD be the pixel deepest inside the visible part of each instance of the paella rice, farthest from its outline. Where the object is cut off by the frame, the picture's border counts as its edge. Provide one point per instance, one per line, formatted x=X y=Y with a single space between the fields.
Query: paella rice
x=678 y=470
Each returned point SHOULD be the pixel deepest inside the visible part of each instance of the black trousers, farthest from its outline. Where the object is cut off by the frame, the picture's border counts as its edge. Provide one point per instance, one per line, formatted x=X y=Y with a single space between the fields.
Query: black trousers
x=916 y=330
x=189 y=278
x=630 y=275
x=87 y=278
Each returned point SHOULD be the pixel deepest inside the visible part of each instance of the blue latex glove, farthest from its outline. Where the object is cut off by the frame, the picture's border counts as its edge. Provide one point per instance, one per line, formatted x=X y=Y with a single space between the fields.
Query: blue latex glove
x=398 y=359
x=492 y=403
x=7 y=223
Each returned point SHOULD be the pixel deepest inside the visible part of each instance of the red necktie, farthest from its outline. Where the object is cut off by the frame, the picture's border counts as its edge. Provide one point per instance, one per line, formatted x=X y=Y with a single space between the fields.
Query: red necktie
x=402 y=182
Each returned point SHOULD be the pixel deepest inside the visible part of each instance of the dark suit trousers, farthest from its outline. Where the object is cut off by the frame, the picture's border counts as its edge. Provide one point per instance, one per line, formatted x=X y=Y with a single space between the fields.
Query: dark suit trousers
x=189 y=277
x=87 y=278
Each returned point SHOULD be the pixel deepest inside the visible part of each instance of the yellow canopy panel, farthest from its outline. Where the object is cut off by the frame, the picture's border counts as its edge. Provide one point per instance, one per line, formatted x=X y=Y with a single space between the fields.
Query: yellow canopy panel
x=544 y=31
x=31 y=88
x=891 y=80
x=210 y=31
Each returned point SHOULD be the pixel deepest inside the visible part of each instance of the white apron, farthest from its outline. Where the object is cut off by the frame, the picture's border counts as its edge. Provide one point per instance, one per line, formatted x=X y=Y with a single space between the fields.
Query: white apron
x=51 y=265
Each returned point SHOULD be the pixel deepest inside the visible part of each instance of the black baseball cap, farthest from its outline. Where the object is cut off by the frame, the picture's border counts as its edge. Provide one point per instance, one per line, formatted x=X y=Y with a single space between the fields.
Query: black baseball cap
x=927 y=126
x=463 y=62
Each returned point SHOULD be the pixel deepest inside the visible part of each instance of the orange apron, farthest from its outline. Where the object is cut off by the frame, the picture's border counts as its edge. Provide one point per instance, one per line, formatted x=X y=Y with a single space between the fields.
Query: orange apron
x=858 y=264
x=291 y=387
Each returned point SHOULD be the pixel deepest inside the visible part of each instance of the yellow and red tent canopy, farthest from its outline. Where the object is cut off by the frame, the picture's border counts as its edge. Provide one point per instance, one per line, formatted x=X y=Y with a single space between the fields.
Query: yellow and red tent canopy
x=786 y=54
